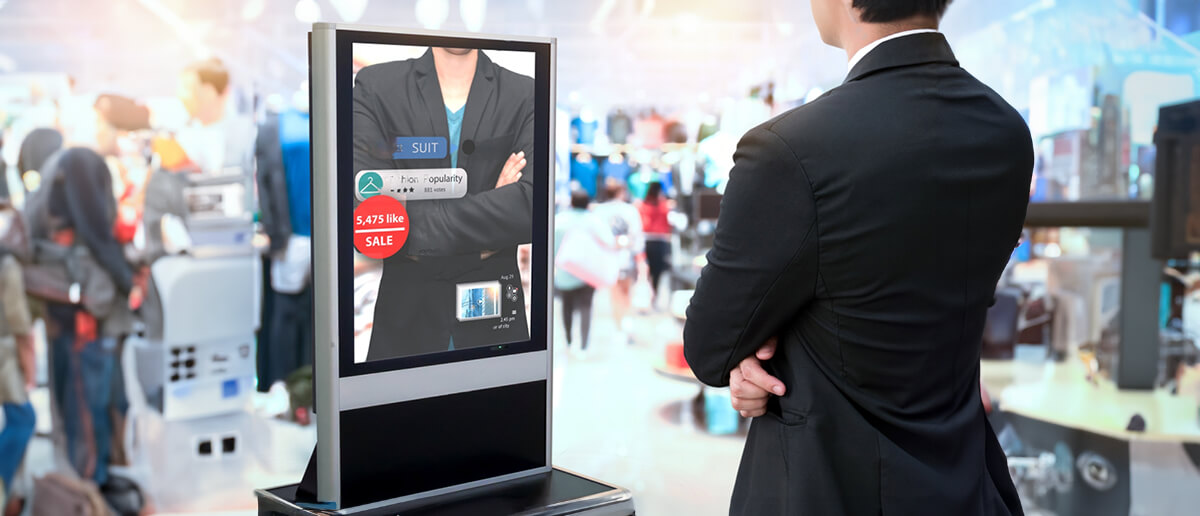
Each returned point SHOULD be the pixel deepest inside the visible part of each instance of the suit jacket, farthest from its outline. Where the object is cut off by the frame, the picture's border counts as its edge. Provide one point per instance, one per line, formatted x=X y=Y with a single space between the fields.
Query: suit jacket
x=417 y=302
x=867 y=231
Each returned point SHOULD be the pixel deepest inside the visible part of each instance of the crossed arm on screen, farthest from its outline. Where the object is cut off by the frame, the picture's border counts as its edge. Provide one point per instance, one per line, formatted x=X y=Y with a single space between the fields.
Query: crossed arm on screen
x=490 y=220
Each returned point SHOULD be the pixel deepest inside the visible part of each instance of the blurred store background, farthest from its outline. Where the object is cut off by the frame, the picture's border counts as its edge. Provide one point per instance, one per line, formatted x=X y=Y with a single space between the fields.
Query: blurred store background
x=200 y=393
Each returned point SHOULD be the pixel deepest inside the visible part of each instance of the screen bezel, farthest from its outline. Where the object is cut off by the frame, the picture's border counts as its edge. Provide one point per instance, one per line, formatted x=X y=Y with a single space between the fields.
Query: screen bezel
x=538 y=292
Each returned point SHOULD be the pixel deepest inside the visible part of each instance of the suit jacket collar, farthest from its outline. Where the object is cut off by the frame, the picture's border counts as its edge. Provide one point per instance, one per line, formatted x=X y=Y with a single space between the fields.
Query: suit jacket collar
x=916 y=49
x=479 y=100
x=431 y=95
x=483 y=89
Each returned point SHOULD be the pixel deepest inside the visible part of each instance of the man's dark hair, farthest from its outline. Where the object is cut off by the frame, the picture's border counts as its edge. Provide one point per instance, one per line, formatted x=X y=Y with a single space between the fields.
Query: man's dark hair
x=884 y=11
x=654 y=192
x=613 y=188
x=212 y=72
x=580 y=199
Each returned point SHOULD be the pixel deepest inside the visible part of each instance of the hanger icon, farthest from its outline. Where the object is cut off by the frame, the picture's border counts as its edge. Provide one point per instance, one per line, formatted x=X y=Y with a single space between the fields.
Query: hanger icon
x=367 y=185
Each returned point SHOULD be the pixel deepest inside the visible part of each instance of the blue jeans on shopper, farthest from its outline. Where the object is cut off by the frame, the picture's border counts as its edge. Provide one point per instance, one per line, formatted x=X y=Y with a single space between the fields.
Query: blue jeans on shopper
x=14 y=438
x=83 y=387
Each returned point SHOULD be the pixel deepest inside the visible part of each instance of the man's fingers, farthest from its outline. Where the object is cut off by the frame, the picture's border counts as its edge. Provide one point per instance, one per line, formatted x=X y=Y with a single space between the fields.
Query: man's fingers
x=767 y=350
x=747 y=390
x=515 y=162
x=735 y=380
x=749 y=408
x=753 y=372
x=739 y=387
x=511 y=172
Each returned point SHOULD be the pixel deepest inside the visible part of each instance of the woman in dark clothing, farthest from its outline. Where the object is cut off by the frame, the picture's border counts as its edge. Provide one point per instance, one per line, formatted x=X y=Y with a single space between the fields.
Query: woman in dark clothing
x=73 y=207
x=654 y=210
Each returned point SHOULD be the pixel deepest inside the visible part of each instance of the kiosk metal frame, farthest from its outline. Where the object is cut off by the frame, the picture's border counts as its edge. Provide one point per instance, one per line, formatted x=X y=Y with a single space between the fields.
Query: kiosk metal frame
x=337 y=390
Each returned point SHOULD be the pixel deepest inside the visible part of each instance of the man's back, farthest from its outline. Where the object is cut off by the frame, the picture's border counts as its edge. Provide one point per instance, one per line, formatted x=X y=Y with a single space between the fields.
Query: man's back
x=903 y=194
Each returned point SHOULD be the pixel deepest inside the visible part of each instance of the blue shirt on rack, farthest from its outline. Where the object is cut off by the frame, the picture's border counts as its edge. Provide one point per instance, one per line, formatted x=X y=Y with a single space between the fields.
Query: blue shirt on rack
x=293 y=139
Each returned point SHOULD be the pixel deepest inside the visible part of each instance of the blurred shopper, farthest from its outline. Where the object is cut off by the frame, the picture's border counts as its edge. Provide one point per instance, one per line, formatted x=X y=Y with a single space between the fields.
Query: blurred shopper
x=626 y=225
x=71 y=220
x=655 y=210
x=577 y=234
x=858 y=248
x=209 y=141
x=216 y=139
x=118 y=117
x=17 y=366
x=615 y=168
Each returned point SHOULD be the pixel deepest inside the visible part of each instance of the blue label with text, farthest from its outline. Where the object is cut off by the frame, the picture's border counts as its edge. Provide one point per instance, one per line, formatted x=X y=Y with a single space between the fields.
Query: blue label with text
x=420 y=147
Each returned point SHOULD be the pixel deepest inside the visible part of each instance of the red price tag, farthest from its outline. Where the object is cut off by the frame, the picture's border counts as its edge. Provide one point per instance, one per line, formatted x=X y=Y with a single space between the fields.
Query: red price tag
x=380 y=227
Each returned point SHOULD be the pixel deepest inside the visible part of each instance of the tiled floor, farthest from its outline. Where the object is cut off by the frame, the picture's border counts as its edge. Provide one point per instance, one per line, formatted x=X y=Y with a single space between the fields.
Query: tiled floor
x=607 y=422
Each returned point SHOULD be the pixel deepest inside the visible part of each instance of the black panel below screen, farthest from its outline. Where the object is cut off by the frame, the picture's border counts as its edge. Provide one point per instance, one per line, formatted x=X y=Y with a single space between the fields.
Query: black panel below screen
x=400 y=449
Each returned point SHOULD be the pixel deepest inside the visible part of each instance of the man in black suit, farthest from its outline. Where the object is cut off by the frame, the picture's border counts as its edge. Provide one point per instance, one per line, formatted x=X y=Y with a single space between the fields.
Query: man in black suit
x=861 y=238
x=451 y=242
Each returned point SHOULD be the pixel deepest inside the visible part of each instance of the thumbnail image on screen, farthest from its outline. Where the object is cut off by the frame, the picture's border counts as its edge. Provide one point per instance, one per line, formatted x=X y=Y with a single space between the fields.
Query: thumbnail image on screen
x=443 y=144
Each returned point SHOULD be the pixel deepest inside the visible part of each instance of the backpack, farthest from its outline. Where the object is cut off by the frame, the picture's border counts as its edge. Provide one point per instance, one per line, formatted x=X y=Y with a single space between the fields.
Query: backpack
x=56 y=495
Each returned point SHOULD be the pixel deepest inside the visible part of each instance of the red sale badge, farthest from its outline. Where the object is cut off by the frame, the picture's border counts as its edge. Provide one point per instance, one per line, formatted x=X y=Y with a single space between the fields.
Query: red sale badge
x=380 y=227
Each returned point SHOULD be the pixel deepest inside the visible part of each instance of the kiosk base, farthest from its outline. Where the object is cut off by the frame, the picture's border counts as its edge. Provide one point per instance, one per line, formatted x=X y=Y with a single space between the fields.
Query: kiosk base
x=558 y=492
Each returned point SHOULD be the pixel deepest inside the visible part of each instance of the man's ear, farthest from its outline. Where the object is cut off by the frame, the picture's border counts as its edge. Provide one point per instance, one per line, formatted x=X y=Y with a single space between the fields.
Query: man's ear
x=853 y=14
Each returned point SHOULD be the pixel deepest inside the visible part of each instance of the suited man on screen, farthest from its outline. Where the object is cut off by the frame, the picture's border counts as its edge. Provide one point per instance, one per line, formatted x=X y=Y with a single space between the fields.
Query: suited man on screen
x=486 y=114
x=859 y=245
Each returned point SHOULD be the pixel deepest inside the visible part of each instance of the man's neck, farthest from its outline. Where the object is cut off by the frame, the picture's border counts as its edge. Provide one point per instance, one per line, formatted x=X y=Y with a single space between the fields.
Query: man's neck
x=454 y=71
x=862 y=34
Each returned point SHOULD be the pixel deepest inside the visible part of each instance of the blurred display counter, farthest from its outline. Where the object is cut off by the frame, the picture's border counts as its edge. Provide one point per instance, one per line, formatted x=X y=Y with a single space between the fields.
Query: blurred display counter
x=709 y=411
x=1074 y=446
x=1058 y=393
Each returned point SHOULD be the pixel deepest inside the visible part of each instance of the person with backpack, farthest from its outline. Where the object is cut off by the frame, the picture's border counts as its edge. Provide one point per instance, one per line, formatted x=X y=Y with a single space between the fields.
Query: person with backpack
x=71 y=219
x=582 y=243
x=626 y=224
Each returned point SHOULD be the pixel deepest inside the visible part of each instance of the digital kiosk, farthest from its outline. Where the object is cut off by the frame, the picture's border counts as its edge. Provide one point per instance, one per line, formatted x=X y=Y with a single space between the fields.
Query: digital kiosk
x=432 y=223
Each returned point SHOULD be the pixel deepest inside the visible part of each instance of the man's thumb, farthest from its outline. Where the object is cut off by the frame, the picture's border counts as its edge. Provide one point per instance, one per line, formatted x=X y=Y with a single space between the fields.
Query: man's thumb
x=767 y=350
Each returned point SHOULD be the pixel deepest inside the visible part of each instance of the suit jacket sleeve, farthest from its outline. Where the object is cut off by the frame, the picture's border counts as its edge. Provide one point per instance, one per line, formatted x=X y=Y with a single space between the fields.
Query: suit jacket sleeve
x=490 y=220
x=371 y=148
x=272 y=185
x=762 y=268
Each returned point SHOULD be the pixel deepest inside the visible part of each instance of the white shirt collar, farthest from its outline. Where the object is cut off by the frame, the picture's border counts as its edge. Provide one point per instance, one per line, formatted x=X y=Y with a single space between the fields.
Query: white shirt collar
x=862 y=52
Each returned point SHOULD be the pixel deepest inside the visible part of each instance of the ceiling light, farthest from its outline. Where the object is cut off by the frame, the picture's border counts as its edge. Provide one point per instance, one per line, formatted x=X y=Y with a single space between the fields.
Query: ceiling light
x=253 y=9
x=431 y=14
x=350 y=10
x=307 y=11
x=473 y=12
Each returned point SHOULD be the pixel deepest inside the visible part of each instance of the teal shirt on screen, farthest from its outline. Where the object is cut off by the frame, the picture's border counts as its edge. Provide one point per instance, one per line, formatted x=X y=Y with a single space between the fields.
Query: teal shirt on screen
x=454 y=122
x=454 y=119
